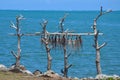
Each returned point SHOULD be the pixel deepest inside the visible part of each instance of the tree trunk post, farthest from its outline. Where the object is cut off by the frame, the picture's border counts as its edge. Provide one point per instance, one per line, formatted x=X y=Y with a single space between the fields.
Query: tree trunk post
x=46 y=42
x=66 y=66
x=49 y=58
x=96 y=44
x=65 y=61
x=19 y=40
x=19 y=35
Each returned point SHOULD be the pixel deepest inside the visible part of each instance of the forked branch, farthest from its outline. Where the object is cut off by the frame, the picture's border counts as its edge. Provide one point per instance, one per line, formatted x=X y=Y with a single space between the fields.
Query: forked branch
x=61 y=23
x=96 y=44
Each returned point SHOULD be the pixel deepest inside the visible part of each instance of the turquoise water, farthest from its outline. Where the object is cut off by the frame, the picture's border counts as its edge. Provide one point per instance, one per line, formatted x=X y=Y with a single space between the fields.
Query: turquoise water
x=34 y=54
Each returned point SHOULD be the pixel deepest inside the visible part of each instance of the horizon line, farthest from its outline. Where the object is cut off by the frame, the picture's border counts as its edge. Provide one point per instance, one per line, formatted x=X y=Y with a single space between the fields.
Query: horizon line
x=49 y=10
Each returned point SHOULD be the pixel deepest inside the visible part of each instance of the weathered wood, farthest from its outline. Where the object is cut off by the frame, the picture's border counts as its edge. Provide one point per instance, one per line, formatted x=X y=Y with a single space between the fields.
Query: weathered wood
x=66 y=66
x=57 y=33
x=65 y=62
x=63 y=42
x=19 y=35
x=49 y=58
x=61 y=23
x=13 y=53
x=44 y=32
x=74 y=34
x=46 y=42
x=96 y=44
x=27 y=34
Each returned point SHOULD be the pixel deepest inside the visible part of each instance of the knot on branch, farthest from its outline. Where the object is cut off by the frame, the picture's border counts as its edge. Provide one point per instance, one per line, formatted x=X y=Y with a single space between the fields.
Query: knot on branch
x=19 y=35
x=97 y=61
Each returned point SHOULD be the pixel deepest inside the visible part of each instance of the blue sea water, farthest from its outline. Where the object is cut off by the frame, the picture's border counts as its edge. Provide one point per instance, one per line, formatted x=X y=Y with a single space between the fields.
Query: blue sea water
x=33 y=54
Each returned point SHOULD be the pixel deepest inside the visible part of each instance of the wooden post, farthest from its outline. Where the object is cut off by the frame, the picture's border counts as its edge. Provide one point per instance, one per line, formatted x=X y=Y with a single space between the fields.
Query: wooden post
x=64 y=41
x=66 y=66
x=19 y=35
x=46 y=42
x=96 y=44
x=49 y=58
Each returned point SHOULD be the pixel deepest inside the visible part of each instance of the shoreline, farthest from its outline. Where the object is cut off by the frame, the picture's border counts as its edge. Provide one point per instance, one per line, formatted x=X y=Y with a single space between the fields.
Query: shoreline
x=7 y=74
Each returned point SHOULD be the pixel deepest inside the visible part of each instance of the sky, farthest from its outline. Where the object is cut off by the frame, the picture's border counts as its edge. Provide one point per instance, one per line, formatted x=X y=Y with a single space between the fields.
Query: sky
x=59 y=4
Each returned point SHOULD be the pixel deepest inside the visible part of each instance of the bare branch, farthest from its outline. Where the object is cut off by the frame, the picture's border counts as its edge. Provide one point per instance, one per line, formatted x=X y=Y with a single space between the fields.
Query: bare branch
x=102 y=13
x=66 y=31
x=68 y=55
x=20 y=17
x=44 y=23
x=61 y=22
x=13 y=25
x=96 y=46
x=13 y=53
x=69 y=66
x=102 y=45
x=21 y=35
x=41 y=24
x=63 y=18
x=108 y=11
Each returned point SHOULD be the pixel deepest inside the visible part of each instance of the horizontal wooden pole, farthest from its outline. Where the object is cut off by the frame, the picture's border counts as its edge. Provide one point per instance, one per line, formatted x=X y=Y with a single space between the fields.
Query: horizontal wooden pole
x=74 y=34
x=57 y=33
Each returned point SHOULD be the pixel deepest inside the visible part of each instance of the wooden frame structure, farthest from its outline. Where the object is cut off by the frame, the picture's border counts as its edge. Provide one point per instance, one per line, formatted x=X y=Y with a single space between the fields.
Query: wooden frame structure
x=62 y=38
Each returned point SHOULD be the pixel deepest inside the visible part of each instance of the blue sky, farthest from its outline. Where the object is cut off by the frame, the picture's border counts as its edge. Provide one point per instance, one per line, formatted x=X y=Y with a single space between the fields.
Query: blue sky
x=59 y=4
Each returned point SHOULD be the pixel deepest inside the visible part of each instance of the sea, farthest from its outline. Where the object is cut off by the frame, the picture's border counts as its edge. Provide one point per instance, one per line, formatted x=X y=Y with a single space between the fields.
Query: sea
x=33 y=52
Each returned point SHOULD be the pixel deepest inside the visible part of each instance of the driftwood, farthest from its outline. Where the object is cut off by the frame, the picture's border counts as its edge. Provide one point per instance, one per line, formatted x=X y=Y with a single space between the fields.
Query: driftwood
x=19 y=35
x=96 y=44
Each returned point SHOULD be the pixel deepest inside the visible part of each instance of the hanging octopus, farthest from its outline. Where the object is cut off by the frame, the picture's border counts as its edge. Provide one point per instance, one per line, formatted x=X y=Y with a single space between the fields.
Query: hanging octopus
x=58 y=40
x=80 y=40
x=55 y=40
x=63 y=40
x=77 y=42
x=70 y=42
x=52 y=40
x=73 y=43
x=49 y=39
